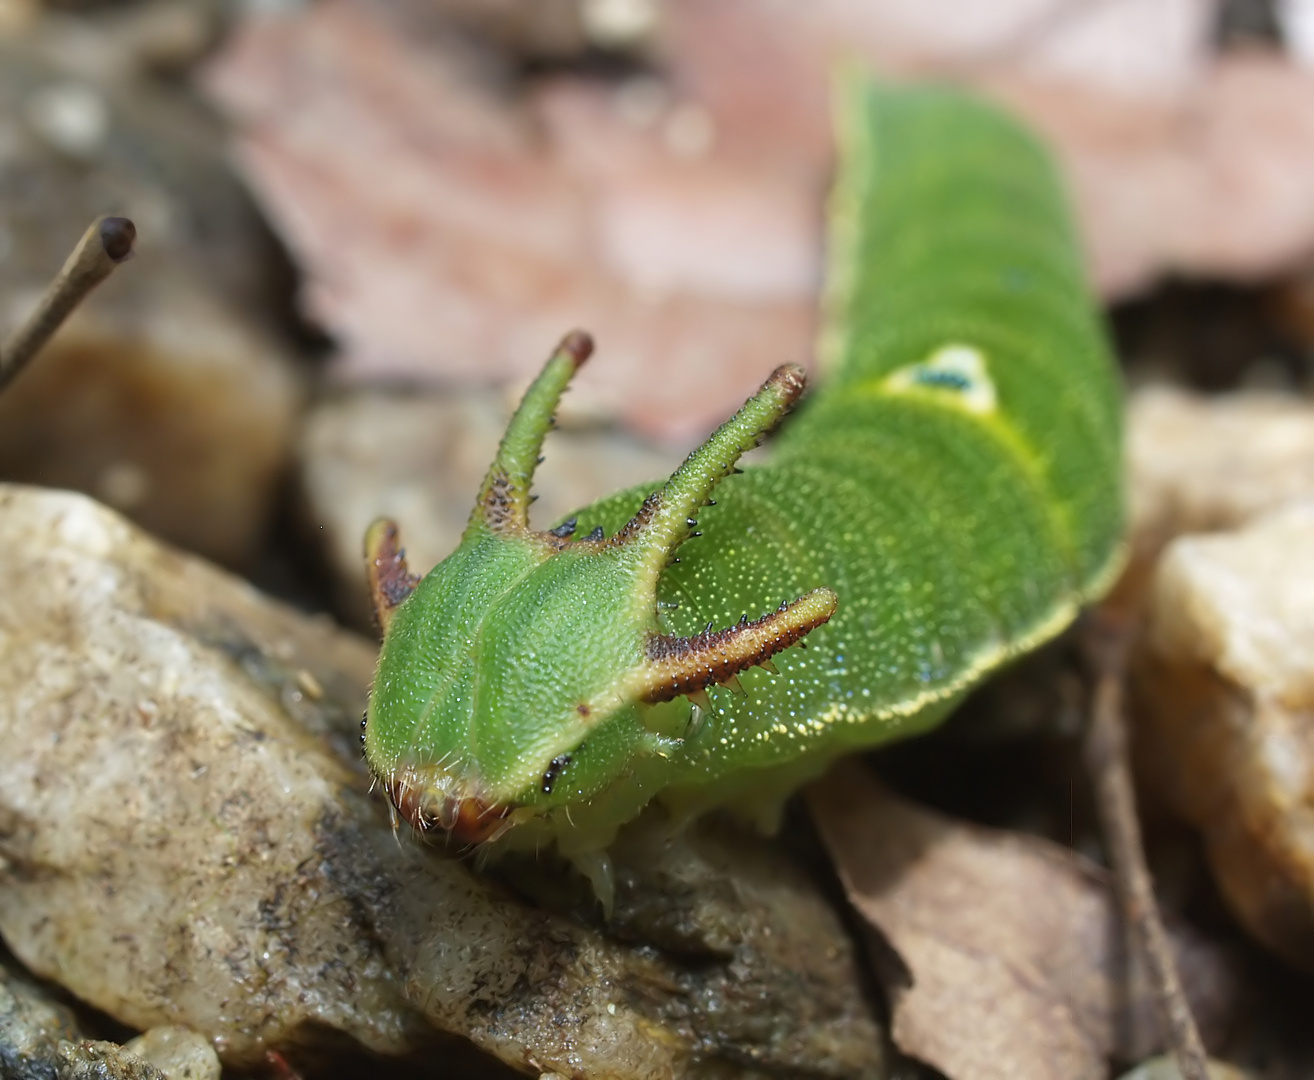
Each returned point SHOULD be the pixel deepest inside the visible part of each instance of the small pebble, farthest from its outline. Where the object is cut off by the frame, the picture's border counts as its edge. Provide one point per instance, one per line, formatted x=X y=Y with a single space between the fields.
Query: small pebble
x=178 y=1052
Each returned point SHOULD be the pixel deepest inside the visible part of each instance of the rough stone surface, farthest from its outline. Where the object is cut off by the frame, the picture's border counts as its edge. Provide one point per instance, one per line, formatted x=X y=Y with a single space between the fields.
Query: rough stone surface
x=161 y=814
x=182 y=844
x=1205 y=463
x=1223 y=695
x=420 y=460
x=178 y=1052
x=720 y=897
x=39 y=1040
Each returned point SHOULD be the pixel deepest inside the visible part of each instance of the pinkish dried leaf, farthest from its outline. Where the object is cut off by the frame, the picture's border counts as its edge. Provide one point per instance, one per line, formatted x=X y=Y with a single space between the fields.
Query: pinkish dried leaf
x=450 y=233
x=1013 y=965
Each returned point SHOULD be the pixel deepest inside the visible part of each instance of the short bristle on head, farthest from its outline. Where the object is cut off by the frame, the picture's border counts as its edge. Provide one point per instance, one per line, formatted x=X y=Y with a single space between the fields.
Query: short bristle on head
x=503 y=505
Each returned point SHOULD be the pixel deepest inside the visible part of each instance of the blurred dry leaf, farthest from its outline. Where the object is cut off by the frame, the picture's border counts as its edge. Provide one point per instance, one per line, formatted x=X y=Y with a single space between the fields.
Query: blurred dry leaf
x=450 y=232
x=1012 y=961
x=762 y=68
x=1179 y=161
x=453 y=228
x=1214 y=185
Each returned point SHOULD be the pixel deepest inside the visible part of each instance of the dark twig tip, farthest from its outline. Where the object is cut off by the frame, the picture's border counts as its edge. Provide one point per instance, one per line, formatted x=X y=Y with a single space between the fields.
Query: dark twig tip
x=578 y=346
x=117 y=236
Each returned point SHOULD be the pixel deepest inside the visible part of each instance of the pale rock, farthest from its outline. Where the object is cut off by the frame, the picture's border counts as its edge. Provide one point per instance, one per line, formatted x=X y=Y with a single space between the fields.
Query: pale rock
x=1222 y=691
x=187 y=839
x=1165 y=1068
x=178 y=1052
x=1202 y=463
x=164 y=817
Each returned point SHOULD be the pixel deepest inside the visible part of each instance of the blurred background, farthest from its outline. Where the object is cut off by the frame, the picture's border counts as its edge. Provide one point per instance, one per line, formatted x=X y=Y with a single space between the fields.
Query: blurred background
x=363 y=224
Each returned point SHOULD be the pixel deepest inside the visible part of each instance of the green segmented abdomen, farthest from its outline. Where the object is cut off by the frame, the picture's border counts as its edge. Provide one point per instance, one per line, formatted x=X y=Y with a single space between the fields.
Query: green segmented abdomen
x=956 y=481
x=950 y=228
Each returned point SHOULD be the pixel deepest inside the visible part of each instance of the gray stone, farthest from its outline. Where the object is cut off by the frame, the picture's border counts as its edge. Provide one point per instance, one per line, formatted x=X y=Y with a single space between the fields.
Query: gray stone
x=1222 y=690
x=187 y=838
x=39 y=1040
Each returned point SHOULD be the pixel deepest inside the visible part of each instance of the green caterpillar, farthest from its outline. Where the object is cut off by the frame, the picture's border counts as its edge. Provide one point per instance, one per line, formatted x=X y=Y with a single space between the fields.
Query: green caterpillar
x=948 y=501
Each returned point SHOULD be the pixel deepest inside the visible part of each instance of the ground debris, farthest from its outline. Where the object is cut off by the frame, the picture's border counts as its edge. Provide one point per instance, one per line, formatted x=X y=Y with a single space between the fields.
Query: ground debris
x=1000 y=951
x=40 y=1040
x=182 y=844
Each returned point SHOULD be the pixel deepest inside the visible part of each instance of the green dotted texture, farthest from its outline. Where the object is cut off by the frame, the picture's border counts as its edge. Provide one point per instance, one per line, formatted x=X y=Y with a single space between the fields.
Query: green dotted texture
x=954 y=538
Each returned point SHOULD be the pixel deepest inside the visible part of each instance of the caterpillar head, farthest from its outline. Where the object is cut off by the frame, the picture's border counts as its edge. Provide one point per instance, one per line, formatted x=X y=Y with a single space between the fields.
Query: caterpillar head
x=519 y=673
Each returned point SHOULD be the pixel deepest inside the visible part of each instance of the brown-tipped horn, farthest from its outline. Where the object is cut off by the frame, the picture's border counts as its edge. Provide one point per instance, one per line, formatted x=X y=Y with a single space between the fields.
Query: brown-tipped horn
x=503 y=504
x=669 y=515
x=683 y=666
x=390 y=579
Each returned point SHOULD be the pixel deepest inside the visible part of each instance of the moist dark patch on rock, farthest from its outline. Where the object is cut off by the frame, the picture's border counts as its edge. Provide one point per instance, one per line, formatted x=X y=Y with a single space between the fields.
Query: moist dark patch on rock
x=39 y=1040
x=748 y=961
x=332 y=712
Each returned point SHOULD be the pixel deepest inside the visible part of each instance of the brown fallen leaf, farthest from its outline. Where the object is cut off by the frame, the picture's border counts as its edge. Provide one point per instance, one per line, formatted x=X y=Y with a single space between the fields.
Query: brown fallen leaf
x=762 y=69
x=1013 y=965
x=452 y=223
x=1179 y=160
x=461 y=231
x=1215 y=183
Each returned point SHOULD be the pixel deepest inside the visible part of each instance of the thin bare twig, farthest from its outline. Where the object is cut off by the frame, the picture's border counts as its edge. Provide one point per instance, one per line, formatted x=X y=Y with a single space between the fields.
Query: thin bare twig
x=105 y=244
x=1109 y=765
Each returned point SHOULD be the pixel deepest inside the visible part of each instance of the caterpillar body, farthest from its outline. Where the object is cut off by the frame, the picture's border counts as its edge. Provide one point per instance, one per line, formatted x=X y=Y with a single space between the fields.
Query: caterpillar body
x=948 y=500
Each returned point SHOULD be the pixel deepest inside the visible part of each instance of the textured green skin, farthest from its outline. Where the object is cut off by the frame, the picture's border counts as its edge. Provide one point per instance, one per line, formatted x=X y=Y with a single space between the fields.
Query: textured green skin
x=954 y=539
